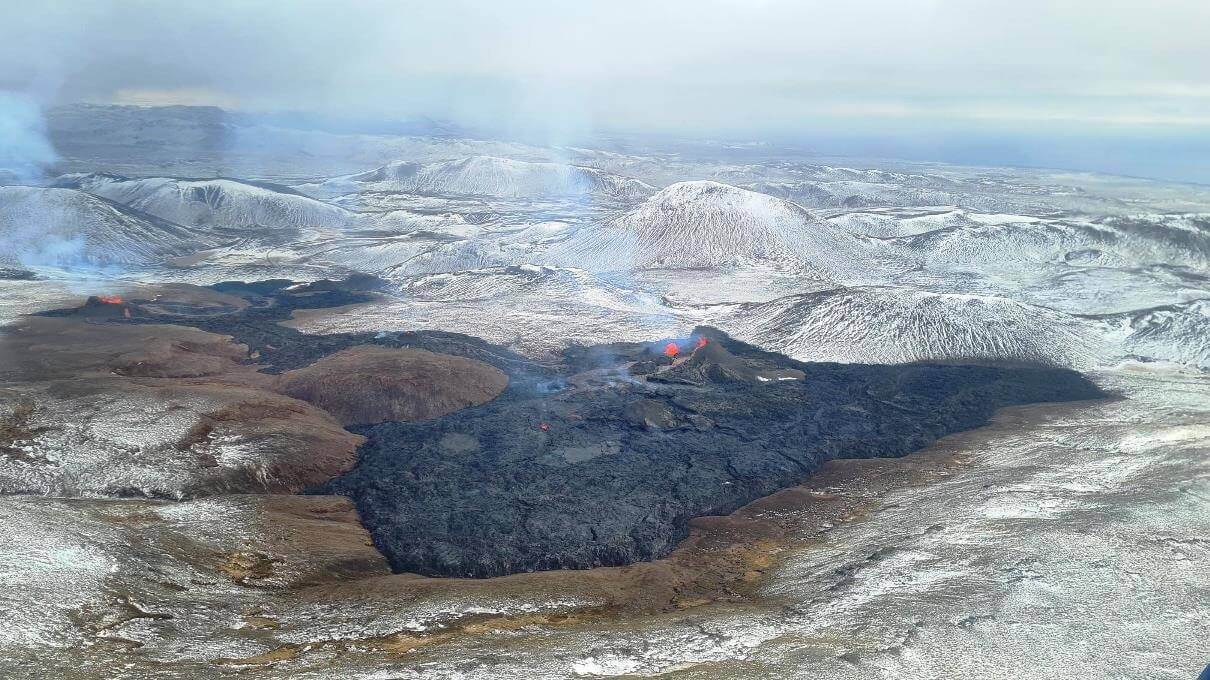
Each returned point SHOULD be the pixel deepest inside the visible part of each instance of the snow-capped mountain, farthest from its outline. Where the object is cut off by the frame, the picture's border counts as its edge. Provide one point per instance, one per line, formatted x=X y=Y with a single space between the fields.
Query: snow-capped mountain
x=65 y=227
x=491 y=176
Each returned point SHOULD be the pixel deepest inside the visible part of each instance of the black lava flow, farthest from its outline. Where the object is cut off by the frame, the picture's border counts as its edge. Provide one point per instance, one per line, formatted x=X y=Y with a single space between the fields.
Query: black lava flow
x=604 y=457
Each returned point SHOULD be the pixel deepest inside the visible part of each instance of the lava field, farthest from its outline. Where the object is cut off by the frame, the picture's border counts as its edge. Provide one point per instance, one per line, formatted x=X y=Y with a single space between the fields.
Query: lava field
x=602 y=457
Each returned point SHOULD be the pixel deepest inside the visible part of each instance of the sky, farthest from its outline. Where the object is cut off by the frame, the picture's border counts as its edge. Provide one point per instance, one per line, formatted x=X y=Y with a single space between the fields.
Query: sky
x=1088 y=84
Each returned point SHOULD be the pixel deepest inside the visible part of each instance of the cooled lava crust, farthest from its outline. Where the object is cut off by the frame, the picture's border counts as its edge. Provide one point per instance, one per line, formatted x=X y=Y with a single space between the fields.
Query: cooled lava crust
x=603 y=456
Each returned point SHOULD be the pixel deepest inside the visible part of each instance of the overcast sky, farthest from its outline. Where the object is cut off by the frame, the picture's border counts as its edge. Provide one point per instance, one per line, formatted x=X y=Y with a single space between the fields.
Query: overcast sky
x=1109 y=69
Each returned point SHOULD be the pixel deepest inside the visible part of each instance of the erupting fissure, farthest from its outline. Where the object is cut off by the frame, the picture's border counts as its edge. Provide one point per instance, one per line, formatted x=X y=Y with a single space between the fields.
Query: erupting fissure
x=110 y=299
x=673 y=350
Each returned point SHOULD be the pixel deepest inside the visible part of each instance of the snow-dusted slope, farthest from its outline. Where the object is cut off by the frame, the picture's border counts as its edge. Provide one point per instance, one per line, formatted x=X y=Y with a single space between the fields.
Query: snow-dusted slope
x=212 y=202
x=704 y=224
x=513 y=283
x=893 y=325
x=1178 y=333
x=375 y=254
x=488 y=250
x=1016 y=244
x=491 y=176
x=65 y=227
x=893 y=222
x=533 y=309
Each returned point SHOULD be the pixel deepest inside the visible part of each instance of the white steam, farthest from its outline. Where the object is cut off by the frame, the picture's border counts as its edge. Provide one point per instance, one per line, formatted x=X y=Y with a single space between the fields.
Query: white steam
x=25 y=151
x=35 y=233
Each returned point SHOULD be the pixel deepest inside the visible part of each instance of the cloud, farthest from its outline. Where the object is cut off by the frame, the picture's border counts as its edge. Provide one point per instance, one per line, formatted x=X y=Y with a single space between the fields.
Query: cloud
x=767 y=67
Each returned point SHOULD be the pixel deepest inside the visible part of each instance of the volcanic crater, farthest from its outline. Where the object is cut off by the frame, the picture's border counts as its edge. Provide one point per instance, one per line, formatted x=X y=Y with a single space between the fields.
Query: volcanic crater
x=475 y=461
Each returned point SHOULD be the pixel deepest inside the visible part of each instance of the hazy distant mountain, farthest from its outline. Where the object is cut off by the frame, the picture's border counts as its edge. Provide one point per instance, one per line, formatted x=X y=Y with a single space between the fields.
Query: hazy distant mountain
x=206 y=128
x=81 y=129
x=203 y=141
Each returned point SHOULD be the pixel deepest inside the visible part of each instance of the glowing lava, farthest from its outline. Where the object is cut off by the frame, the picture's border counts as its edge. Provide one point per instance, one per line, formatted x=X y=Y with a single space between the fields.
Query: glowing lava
x=701 y=342
x=110 y=299
x=671 y=349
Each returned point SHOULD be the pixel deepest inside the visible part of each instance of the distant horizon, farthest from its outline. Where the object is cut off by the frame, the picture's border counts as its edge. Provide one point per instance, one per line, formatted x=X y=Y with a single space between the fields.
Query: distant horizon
x=960 y=148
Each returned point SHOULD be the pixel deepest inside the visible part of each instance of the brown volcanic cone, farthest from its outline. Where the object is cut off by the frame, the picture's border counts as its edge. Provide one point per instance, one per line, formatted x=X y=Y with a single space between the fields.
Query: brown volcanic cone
x=368 y=384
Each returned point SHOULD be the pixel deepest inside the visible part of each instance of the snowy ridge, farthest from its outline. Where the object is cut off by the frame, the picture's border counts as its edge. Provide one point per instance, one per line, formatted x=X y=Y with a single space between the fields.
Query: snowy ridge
x=894 y=222
x=985 y=189
x=492 y=176
x=894 y=325
x=852 y=194
x=64 y=227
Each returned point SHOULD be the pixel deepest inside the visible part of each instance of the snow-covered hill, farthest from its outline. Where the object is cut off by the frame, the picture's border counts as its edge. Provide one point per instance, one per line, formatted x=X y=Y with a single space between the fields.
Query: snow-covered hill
x=64 y=227
x=222 y=203
x=705 y=224
x=491 y=176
